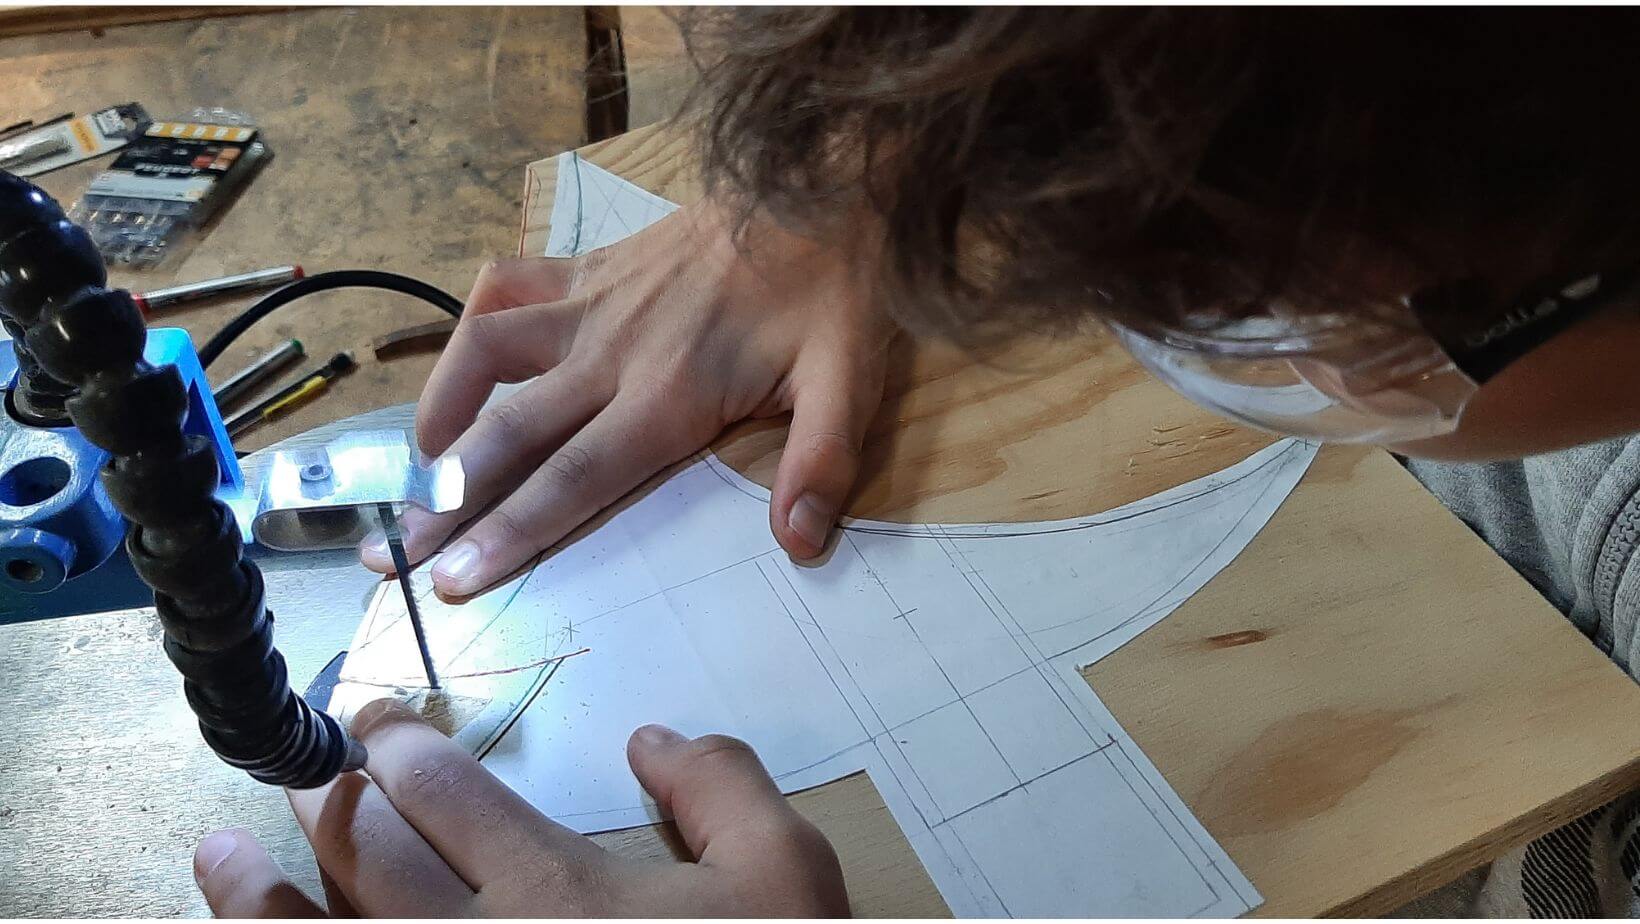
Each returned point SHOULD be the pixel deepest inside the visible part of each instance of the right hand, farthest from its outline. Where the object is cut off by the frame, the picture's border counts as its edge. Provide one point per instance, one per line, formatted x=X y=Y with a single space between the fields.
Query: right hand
x=641 y=353
x=426 y=830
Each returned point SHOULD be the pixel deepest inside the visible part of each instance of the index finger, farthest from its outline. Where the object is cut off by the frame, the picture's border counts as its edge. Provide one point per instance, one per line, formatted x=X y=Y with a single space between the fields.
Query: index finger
x=504 y=284
x=628 y=441
x=378 y=860
x=471 y=366
x=509 y=346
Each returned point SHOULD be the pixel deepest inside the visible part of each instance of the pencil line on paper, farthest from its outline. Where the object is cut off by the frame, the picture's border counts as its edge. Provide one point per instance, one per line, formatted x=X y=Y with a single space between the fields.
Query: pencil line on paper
x=500 y=670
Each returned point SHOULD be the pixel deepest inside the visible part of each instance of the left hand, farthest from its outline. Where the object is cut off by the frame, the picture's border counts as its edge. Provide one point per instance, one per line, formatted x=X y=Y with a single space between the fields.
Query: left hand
x=636 y=356
x=431 y=833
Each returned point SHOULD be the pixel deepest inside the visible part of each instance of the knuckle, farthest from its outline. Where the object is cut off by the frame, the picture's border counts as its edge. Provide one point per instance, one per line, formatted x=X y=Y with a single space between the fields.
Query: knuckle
x=662 y=393
x=485 y=280
x=831 y=443
x=574 y=887
x=713 y=755
x=506 y=529
x=677 y=413
x=587 y=362
x=508 y=417
x=573 y=883
x=433 y=780
x=661 y=384
x=797 y=841
x=482 y=328
x=809 y=847
x=590 y=262
x=570 y=467
x=804 y=857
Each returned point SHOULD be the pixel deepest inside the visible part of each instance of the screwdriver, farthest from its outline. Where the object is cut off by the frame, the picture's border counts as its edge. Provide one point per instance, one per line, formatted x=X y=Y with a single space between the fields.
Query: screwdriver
x=304 y=389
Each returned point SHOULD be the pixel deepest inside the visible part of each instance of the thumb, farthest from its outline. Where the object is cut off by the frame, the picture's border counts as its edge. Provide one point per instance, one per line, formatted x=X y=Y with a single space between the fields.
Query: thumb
x=240 y=880
x=727 y=808
x=830 y=413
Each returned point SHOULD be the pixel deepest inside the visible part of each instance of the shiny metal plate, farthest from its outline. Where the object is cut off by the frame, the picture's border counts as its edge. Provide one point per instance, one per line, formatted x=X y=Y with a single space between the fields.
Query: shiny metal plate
x=323 y=495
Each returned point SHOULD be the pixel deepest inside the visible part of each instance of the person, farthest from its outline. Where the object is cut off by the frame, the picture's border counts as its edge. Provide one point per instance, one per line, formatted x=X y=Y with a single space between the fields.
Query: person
x=1411 y=228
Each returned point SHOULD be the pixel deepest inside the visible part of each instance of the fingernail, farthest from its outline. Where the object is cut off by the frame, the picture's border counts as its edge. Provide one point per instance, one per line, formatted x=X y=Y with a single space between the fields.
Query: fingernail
x=212 y=852
x=457 y=568
x=375 y=544
x=657 y=736
x=379 y=711
x=811 y=518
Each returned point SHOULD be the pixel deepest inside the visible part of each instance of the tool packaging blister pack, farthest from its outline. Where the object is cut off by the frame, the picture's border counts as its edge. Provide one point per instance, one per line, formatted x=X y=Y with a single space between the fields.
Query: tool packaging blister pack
x=30 y=150
x=145 y=208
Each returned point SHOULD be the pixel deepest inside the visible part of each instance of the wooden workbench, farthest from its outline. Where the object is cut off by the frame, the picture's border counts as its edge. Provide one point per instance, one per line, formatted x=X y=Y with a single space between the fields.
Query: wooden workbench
x=1367 y=703
x=1364 y=704
x=399 y=137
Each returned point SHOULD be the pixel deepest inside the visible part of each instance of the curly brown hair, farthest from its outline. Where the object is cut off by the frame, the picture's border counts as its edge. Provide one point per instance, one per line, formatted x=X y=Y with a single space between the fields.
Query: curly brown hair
x=1171 y=167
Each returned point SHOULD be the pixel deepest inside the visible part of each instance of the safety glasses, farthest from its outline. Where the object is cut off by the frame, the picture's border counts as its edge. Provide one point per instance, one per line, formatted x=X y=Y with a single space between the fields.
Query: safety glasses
x=1345 y=378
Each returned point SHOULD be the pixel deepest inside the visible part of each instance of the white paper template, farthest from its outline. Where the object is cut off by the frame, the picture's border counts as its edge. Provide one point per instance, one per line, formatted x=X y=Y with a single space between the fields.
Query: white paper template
x=941 y=659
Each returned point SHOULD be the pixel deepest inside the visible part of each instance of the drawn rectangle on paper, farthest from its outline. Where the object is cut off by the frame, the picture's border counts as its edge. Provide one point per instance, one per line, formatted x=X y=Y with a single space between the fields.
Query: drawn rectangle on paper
x=955 y=624
x=932 y=745
x=1108 y=854
x=880 y=652
x=1029 y=724
x=740 y=631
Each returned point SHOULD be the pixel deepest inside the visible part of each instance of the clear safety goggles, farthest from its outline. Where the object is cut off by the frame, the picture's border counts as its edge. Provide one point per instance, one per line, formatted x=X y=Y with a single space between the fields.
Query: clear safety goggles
x=1349 y=379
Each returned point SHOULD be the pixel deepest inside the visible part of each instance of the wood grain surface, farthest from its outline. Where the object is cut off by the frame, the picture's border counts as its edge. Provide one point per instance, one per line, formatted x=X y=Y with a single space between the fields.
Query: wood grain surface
x=1367 y=703
x=36 y=20
x=658 y=73
x=399 y=137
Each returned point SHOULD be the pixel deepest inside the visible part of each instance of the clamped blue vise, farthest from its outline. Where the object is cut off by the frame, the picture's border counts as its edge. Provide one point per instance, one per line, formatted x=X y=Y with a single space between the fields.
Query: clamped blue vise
x=62 y=543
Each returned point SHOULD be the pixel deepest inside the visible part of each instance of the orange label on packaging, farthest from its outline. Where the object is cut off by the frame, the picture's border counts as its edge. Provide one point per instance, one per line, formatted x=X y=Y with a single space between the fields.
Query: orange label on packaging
x=82 y=136
x=201 y=132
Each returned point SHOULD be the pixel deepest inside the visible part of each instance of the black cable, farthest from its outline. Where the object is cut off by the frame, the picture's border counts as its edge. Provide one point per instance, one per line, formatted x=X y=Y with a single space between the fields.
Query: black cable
x=338 y=279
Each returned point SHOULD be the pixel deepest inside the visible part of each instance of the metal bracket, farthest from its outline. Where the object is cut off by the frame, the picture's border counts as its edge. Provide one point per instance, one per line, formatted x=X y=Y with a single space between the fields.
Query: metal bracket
x=325 y=495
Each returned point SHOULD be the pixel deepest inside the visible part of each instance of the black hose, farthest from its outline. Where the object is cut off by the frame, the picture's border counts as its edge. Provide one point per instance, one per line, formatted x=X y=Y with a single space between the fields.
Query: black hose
x=338 y=279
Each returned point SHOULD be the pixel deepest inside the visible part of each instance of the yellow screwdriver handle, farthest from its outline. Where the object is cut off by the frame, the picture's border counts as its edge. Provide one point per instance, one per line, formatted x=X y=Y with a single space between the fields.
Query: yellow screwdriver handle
x=309 y=390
